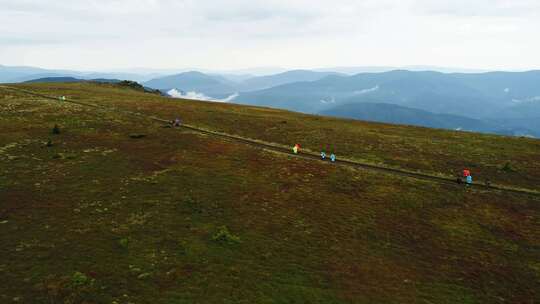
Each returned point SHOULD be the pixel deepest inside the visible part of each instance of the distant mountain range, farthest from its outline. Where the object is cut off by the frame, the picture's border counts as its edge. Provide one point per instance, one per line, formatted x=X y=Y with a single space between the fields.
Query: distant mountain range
x=473 y=95
x=265 y=82
x=213 y=86
x=219 y=86
x=500 y=100
x=14 y=74
x=71 y=79
x=497 y=102
x=390 y=113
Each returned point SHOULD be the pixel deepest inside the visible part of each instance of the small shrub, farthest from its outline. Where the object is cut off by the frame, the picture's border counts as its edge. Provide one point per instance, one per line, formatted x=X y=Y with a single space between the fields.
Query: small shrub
x=223 y=235
x=124 y=243
x=508 y=167
x=79 y=279
x=56 y=130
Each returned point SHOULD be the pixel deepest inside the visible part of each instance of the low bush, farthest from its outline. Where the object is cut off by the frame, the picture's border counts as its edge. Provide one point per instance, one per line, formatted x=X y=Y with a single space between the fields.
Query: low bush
x=508 y=167
x=79 y=279
x=223 y=235
x=124 y=243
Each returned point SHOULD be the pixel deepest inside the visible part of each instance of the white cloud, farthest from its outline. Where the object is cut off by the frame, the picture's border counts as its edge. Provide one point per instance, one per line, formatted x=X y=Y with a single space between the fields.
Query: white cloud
x=199 y=96
x=476 y=8
x=366 y=91
x=530 y=99
x=232 y=34
x=329 y=100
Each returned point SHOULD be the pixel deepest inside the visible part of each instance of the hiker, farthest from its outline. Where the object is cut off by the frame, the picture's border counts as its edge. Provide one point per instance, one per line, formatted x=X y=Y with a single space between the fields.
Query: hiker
x=332 y=157
x=176 y=122
x=466 y=173
x=323 y=155
x=63 y=98
x=296 y=149
x=469 y=180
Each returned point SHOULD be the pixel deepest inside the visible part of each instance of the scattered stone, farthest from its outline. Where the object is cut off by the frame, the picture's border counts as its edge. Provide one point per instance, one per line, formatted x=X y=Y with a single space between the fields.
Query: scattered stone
x=4 y=222
x=64 y=156
x=143 y=275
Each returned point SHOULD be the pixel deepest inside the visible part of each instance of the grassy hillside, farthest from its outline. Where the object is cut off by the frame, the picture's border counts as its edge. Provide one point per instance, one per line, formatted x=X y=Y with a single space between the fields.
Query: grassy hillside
x=411 y=148
x=102 y=216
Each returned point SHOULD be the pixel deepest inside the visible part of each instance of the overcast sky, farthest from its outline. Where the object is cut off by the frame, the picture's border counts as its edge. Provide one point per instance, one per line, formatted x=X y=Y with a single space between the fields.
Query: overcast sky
x=232 y=34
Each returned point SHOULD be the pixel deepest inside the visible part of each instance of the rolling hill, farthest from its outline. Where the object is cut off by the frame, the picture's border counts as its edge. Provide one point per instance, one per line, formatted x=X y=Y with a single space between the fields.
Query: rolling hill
x=216 y=85
x=70 y=79
x=119 y=208
x=499 y=102
x=489 y=97
x=213 y=86
x=15 y=74
x=55 y=79
x=429 y=91
x=265 y=82
x=389 y=113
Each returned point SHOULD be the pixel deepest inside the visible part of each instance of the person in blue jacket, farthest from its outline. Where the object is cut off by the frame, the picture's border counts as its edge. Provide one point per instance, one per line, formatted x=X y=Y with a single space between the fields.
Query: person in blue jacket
x=333 y=157
x=469 y=180
x=323 y=155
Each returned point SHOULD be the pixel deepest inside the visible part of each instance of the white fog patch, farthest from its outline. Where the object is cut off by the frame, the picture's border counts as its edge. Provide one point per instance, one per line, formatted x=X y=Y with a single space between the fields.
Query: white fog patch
x=198 y=96
x=365 y=91
x=331 y=100
x=507 y=90
x=531 y=99
x=230 y=98
x=188 y=95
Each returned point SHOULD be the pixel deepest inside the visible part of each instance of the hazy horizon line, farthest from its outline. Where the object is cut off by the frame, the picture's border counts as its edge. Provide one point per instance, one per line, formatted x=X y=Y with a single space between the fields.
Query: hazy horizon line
x=269 y=69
